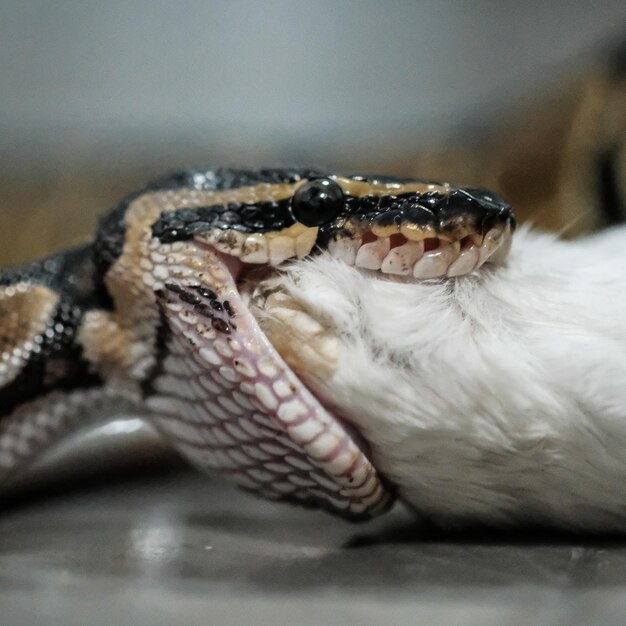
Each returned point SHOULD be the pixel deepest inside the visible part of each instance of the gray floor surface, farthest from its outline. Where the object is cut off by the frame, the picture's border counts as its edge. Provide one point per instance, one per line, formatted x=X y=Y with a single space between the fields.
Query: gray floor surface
x=175 y=547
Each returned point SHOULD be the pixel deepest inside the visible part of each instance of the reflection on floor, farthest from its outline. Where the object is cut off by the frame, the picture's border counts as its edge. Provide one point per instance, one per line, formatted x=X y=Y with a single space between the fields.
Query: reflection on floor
x=178 y=548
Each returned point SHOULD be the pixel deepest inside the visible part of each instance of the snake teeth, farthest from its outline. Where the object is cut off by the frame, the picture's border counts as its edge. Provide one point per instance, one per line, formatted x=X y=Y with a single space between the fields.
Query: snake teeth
x=371 y=255
x=255 y=249
x=401 y=259
x=465 y=263
x=229 y=242
x=344 y=249
x=281 y=249
x=496 y=245
x=436 y=262
x=432 y=257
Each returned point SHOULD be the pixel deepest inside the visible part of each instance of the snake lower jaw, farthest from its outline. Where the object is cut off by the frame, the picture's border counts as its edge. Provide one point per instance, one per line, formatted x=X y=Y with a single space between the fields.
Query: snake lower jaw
x=310 y=348
x=226 y=398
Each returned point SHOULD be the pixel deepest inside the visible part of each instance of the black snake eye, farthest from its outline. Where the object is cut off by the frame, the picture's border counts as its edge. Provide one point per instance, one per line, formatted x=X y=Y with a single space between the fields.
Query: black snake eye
x=317 y=202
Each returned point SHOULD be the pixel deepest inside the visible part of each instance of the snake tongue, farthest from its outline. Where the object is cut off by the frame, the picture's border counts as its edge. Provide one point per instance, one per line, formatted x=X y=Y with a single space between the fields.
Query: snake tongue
x=230 y=403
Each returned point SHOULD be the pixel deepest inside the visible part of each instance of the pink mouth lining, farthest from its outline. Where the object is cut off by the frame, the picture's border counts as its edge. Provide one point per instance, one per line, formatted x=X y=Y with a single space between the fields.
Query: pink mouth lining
x=230 y=403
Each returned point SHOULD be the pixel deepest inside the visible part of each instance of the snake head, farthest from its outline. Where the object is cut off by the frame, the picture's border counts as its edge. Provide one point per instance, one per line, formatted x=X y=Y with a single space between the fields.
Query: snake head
x=398 y=226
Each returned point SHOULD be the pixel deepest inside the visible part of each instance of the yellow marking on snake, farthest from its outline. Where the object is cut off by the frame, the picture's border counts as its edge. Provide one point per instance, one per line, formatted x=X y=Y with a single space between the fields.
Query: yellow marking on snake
x=26 y=311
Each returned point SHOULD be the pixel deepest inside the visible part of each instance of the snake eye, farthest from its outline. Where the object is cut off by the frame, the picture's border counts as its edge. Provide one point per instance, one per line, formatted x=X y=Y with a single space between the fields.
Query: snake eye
x=317 y=202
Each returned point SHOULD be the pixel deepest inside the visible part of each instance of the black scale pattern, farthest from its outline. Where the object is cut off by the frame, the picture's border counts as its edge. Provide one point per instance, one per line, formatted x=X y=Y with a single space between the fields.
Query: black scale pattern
x=70 y=273
x=110 y=237
x=58 y=362
x=425 y=209
x=258 y=218
x=431 y=208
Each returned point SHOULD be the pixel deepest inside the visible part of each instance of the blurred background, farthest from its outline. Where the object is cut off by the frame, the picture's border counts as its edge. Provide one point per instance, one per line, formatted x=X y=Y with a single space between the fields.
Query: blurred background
x=97 y=98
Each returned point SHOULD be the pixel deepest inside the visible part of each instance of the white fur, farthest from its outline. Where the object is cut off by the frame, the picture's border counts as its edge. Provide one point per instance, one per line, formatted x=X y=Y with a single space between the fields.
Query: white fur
x=496 y=397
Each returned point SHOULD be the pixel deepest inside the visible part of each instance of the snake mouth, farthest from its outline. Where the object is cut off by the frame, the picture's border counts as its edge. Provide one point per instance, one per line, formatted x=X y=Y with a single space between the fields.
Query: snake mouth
x=230 y=391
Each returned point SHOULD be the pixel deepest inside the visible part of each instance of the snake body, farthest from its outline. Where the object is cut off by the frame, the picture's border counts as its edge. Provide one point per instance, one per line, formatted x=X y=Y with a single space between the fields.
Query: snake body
x=152 y=316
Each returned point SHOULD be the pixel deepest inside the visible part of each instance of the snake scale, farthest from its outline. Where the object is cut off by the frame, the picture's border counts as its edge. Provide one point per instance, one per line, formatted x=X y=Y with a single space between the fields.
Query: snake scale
x=153 y=316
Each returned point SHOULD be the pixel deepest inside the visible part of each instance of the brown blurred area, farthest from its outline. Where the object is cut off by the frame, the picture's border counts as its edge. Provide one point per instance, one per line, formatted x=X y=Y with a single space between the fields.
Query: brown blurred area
x=38 y=217
x=549 y=159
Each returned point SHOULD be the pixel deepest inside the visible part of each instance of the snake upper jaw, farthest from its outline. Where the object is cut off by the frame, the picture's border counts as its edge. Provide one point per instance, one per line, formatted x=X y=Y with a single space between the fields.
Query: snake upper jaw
x=424 y=254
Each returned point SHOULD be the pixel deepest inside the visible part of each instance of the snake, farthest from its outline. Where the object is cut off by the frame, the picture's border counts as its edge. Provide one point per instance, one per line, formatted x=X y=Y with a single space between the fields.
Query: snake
x=153 y=316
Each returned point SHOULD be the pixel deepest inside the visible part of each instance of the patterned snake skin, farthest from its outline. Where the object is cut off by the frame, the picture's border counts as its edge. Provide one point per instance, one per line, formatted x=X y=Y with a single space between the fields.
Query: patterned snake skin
x=152 y=317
